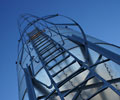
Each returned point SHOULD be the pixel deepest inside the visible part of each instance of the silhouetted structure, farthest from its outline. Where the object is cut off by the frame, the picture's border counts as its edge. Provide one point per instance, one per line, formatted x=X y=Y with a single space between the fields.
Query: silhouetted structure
x=55 y=62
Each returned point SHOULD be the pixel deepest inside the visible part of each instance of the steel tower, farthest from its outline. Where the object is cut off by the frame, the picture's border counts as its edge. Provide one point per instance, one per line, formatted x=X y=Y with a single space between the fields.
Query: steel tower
x=58 y=61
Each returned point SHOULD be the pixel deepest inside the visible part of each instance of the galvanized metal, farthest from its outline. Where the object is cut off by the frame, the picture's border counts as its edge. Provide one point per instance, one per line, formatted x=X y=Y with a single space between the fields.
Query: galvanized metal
x=44 y=44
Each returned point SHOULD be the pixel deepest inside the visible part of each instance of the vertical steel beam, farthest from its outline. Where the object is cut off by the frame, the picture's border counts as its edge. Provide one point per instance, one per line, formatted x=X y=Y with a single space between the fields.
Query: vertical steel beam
x=30 y=88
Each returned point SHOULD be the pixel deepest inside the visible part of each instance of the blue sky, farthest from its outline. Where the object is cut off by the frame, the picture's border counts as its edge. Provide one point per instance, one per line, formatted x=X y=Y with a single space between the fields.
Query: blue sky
x=99 y=18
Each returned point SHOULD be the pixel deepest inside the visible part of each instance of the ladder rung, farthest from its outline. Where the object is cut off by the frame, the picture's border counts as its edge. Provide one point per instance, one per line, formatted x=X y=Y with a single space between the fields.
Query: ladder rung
x=44 y=44
x=45 y=47
x=51 y=53
x=55 y=57
x=37 y=44
x=64 y=68
x=39 y=38
x=59 y=84
x=47 y=50
x=59 y=62
x=34 y=36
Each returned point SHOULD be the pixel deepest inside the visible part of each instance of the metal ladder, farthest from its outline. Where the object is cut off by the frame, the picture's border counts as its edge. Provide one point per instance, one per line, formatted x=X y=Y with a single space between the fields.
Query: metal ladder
x=48 y=51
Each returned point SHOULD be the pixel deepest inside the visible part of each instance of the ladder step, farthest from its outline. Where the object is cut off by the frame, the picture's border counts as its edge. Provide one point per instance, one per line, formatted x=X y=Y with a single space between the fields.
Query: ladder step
x=34 y=36
x=39 y=38
x=57 y=55
x=59 y=62
x=52 y=53
x=38 y=43
x=47 y=49
x=49 y=41
x=64 y=68
x=59 y=84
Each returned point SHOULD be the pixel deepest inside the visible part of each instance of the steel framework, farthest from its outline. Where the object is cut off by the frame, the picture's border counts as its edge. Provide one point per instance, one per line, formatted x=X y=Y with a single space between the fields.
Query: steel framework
x=45 y=44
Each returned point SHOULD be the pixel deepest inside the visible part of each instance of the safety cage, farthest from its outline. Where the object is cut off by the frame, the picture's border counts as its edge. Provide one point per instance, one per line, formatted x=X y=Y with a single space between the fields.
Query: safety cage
x=58 y=61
